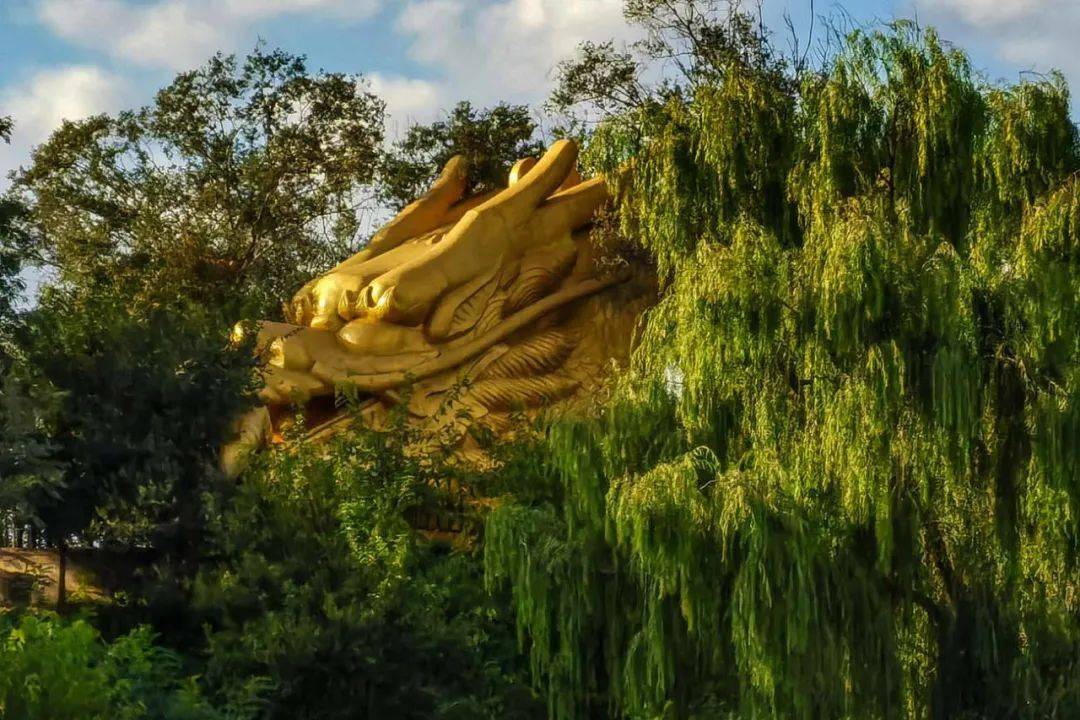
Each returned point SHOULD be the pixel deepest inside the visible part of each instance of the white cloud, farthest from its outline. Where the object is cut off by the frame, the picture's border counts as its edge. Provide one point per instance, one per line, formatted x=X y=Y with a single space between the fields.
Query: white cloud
x=177 y=34
x=46 y=98
x=983 y=12
x=488 y=50
x=1028 y=34
x=260 y=9
x=482 y=50
x=169 y=34
x=408 y=100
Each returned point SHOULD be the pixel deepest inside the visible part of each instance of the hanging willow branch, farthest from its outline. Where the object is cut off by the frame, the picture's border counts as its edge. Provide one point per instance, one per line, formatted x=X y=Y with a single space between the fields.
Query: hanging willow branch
x=842 y=479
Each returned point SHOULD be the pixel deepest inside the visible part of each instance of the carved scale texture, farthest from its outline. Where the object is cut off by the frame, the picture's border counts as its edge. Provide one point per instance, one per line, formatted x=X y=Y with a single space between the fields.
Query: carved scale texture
x=538 y=355
x=512 y=393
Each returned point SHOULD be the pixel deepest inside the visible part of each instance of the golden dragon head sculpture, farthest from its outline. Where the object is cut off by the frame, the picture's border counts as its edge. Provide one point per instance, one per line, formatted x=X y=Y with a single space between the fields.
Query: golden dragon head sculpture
x=493 y=304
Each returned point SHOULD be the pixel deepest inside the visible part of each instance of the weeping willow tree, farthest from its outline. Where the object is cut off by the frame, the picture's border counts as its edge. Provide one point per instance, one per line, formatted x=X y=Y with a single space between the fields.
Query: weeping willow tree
x=842 y=479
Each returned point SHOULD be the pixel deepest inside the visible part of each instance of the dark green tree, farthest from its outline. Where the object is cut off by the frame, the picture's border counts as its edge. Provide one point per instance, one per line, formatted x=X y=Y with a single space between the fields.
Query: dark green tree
x=28 y=468
x=161 y=227
x=147 y=401
x=319 y=584
x=492 y=140
x=30 y=473
x=841 y=478
x=14 y=254
x=239 y=182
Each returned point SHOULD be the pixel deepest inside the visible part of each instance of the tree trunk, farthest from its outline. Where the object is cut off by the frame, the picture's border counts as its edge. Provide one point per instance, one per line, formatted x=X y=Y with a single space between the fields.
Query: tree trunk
x=61 y=578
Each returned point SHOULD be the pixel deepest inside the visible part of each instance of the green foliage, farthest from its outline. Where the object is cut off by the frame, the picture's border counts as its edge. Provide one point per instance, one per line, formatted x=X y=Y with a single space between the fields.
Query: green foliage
x=492 y=140
x=239 y=182
x=690 y=42
x=841 y=478
x=145 y=403
x=321 y=588
x=163 y=226
x=13 y=255
x=51 y=668
x=29 y=470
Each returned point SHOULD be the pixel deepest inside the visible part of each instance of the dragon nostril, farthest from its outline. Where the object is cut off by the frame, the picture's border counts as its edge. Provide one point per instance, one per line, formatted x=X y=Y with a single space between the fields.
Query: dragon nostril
x=367 y=298
x=375 y=300
x=347 y=304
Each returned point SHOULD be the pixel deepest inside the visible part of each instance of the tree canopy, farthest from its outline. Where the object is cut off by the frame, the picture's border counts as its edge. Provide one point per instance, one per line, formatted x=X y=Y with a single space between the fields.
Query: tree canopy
x=841 y=478
x=491 y=140
x=242 y=179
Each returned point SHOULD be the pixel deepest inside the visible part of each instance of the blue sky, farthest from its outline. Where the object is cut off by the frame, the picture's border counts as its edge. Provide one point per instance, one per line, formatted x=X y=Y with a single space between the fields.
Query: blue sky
x=72 y=58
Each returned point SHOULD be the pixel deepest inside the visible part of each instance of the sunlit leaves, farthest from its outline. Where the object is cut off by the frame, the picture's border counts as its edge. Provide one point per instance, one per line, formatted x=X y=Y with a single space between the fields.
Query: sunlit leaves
x=840 y=479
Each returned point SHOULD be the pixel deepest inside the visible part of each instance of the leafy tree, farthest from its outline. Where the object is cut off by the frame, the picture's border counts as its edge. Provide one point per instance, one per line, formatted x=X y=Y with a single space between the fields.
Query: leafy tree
x=320 y=586
x=147 y=401
x=491 y=139
x=840 y=479
x=52 y=669
x=27 y=405
x=29 y=470
x=240 y=181
x=692 y=41
x=14 y=254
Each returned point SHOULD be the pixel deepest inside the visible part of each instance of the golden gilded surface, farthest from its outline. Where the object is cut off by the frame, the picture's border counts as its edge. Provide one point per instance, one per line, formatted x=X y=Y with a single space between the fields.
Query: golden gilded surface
x=460 y=307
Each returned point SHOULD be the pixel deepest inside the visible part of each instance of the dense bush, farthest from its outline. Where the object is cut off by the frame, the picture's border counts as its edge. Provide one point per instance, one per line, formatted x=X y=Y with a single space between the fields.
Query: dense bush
x=319 y=585
x=53 y=669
